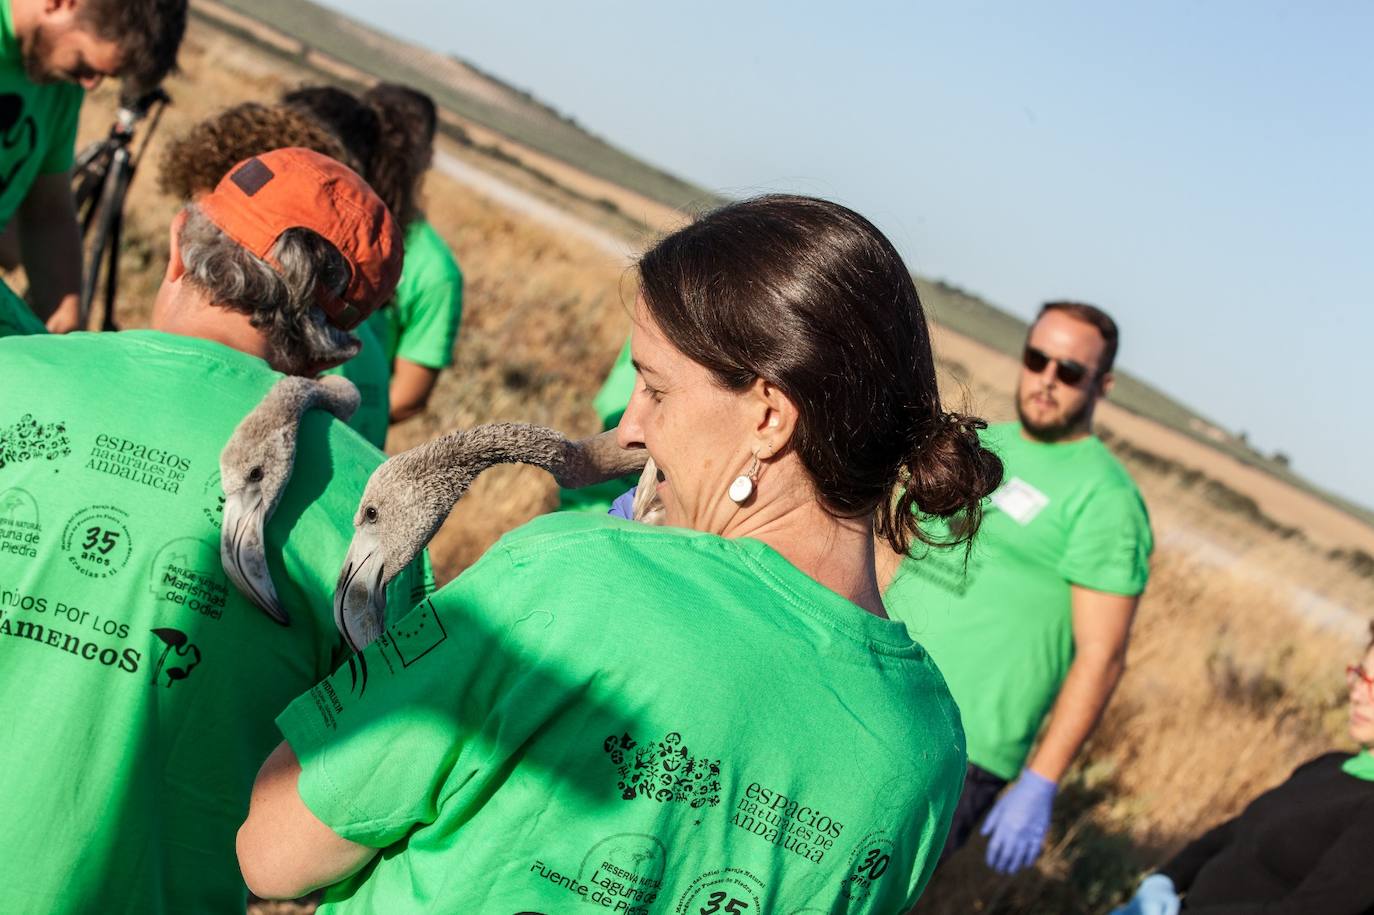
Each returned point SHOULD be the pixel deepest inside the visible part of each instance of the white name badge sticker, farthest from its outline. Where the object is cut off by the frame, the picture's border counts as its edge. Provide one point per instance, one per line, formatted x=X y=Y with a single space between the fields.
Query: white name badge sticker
x=1020 y=501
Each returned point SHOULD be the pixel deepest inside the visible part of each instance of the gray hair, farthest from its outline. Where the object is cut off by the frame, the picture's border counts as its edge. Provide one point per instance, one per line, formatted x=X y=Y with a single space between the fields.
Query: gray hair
x=278 y=302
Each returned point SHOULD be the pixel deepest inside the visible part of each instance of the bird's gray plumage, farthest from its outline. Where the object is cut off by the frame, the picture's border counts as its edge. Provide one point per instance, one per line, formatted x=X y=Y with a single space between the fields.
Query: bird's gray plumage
x=255 y=467
x=410 y=495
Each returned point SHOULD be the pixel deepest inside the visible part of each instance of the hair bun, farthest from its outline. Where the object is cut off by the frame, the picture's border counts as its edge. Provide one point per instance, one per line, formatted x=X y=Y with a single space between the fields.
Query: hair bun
x=947 y=475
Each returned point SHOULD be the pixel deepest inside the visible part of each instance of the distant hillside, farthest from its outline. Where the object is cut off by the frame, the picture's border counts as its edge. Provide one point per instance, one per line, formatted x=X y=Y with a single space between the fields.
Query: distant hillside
x=971 y=316
x=468 y=92
x=343 y=48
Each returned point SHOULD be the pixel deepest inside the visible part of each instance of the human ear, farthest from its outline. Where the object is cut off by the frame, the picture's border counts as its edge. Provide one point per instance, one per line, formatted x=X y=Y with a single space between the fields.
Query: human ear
x=176 y=269
x=1106 y=383
x=776 y=415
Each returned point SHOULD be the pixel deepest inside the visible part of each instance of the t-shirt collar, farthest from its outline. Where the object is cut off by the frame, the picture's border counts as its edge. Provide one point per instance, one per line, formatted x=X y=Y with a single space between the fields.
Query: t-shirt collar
x=1361 y=765
x=888 y=634
x=198 y=346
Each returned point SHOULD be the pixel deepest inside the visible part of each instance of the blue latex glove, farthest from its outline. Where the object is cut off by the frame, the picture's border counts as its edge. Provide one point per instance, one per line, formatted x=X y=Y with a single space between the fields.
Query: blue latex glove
x=1018 y=823
x=624 y=506
x=1156 y=896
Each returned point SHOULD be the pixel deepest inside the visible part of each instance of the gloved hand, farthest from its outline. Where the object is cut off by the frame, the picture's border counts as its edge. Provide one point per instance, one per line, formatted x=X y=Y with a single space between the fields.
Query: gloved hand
x=1156 y=896
x=1018 y=823
x=624 y=505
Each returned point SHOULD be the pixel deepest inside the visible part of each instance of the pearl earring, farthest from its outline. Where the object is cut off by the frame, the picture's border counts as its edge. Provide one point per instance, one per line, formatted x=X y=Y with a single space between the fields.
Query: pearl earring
x=743 y=486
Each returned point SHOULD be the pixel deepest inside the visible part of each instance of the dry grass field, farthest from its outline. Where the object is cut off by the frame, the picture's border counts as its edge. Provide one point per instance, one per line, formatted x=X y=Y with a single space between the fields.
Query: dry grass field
x=1235 y=670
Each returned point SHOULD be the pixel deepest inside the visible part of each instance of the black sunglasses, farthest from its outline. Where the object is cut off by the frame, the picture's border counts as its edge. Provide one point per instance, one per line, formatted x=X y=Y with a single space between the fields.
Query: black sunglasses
x=1066 y=370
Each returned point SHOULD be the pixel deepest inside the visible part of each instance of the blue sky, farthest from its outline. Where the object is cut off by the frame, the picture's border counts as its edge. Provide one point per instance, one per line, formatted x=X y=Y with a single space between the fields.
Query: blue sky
x=1200 y=169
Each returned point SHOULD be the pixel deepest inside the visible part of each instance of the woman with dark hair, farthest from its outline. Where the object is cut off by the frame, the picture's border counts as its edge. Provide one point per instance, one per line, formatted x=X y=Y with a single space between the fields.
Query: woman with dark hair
x=1302 y=848
x=420 y=328
x=712 y=716
x=395 y=143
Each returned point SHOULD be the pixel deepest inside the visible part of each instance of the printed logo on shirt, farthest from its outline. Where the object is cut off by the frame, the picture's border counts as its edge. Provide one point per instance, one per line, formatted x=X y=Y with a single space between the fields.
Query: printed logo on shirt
x=29 y=440
x=417 y=634
x=626 y=871
x=96 y=541
x=212 y=500
x=1019 y=500
x=786 y=822
x=19 y=132
x=179 y=657
x=411 y=638
x=187 y=573
x=724 y=891
x=664 y=771
x=156 y=468
x=21 y=533
x=871 y=859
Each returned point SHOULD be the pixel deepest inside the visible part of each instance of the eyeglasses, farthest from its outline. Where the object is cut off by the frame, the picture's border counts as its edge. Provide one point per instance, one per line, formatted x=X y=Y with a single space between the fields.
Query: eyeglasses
x=1354 y=675
x=1066 y=370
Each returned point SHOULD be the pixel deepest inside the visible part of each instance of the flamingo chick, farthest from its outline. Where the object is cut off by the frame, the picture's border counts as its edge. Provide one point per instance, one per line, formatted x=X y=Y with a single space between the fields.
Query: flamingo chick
x=255 y=467
x=409 y=496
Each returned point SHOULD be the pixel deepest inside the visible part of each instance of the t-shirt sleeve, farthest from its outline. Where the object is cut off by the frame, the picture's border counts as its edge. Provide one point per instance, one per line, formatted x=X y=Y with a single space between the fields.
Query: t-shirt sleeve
x=1109 y=544
x=61 y=152
x=390 y=735
x=430 y=318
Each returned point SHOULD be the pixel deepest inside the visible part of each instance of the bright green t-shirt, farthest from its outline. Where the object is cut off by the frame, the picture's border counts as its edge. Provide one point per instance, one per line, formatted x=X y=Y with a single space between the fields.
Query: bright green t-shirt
x=601 y=715
x=139 y=687
x=610 y=403
x=37 y=123
x=370 y=372
x=421 y=324
x=16 y=318
x=1002 y=632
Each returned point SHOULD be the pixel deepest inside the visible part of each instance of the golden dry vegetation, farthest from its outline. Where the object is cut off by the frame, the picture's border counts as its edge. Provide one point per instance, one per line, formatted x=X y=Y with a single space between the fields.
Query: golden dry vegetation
x=1231 y=683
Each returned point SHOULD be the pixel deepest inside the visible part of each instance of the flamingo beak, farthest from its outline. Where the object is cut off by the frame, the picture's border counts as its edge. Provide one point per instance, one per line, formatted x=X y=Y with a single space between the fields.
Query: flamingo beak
x=360 y=596
x=243 y=551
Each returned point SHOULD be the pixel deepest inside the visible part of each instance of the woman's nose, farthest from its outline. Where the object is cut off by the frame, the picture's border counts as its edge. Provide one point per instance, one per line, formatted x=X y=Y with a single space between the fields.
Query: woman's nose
x=628 y=433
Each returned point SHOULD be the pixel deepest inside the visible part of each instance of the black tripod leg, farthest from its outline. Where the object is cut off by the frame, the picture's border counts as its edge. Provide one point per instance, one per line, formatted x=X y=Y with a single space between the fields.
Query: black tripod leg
x=111 y=209
x=112 y=271
x=123 y=172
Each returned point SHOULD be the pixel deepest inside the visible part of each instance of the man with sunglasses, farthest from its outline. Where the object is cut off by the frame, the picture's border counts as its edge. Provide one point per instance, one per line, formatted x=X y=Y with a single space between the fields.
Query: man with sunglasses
x=1035 y=618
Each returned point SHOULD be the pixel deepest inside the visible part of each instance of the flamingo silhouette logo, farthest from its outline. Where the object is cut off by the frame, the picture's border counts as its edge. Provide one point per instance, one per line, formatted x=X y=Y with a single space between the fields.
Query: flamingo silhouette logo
x=175 y=640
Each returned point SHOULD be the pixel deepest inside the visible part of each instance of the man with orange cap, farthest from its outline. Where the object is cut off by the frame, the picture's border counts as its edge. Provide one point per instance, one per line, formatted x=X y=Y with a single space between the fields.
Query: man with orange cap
x=140 y=687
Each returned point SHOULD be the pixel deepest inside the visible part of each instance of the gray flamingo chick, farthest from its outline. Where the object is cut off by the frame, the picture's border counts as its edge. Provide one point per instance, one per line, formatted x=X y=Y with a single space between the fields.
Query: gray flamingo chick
x=409 y=496
x=255 y=467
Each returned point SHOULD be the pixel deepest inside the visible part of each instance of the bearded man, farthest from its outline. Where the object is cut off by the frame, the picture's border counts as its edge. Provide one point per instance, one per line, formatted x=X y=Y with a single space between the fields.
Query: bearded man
x=1035 y=618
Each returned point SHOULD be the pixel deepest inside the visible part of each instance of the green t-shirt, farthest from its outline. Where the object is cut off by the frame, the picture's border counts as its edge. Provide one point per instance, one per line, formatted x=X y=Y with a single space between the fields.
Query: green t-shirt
x=139 y=687
x=1066 y=514
x=37 y=123
x=610 y=403
x=370 y=372
x=16 y=318
x=421 y=324
x=601 y=715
